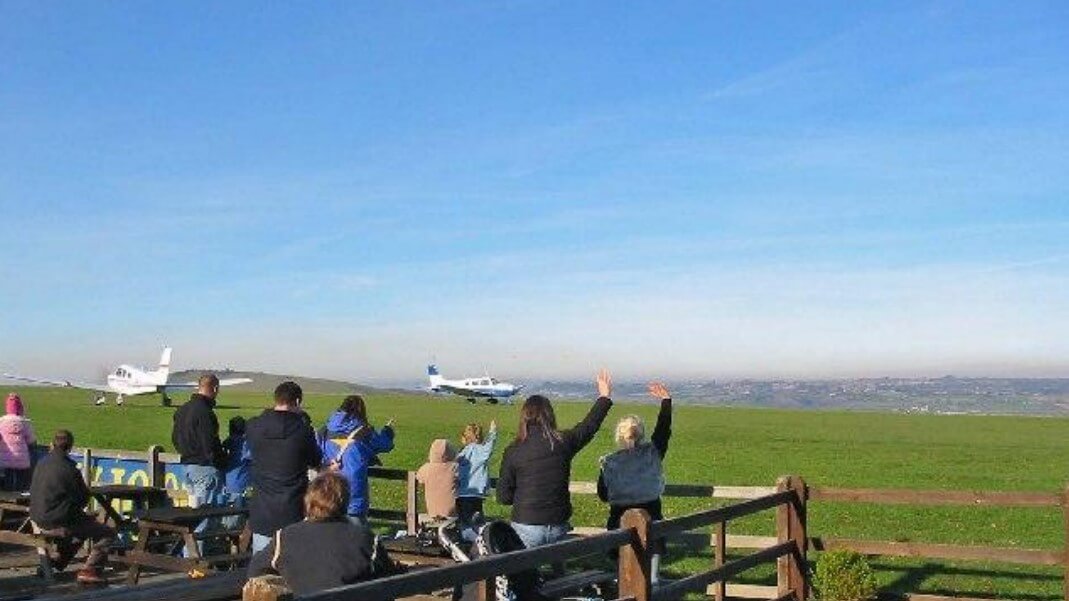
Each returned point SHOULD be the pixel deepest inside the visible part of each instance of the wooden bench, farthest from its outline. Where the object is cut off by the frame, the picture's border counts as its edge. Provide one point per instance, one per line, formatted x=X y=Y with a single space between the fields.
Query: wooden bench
x=409 y=551
x=23 y=532
x=161 y=531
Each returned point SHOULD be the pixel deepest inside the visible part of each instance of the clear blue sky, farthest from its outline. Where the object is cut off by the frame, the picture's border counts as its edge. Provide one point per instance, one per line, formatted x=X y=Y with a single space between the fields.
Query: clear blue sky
x=680 y=189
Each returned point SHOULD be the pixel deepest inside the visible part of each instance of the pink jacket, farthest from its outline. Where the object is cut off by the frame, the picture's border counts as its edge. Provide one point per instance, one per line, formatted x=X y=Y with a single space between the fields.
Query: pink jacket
x=16 y=436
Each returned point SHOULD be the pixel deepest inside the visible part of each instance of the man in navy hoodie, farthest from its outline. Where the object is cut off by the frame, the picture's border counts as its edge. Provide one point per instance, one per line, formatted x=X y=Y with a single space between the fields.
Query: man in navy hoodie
x=283 y=448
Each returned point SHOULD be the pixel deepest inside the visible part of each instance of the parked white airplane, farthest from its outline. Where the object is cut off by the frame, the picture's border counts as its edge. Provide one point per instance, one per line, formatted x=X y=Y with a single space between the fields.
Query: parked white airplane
x=473 y=388
x=127 y=381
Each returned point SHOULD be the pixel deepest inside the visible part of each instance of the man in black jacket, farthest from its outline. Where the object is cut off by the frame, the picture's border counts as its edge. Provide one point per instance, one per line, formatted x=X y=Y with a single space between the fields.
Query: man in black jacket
x=196 y=438
x=58 y=496
x=283 y=448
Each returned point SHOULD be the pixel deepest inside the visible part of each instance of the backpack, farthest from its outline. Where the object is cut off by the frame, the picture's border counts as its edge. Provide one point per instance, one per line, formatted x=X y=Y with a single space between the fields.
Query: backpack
x=499 y=537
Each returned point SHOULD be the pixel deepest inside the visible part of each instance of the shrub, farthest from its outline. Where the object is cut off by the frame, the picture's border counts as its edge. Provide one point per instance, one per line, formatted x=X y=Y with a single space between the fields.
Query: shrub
x=844 y=576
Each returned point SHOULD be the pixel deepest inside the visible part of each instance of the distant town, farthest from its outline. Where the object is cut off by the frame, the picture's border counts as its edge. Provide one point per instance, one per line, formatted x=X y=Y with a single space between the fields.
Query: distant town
x=945 y=395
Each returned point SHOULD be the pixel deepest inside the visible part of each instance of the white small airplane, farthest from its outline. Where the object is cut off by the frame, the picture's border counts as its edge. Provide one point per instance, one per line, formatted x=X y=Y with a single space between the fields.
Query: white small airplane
x=127 y=380
x=473 y=388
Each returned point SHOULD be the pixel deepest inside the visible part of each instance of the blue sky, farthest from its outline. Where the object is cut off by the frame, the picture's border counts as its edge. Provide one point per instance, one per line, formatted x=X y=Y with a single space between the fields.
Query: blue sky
x=538 y=188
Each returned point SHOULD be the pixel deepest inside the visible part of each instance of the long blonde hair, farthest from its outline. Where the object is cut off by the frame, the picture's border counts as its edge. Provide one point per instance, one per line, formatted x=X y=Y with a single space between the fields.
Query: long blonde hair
x=630 y=432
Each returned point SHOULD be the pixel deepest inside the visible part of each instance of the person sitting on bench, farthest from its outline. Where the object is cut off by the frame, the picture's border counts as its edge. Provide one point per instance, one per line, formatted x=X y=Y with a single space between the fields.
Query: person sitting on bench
x=58 y=497
x=439 y=479
x=325 y=550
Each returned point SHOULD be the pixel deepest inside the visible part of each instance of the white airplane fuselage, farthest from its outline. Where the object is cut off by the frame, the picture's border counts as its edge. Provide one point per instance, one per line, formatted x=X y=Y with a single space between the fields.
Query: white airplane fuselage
x=130 y=381
x=484 y=387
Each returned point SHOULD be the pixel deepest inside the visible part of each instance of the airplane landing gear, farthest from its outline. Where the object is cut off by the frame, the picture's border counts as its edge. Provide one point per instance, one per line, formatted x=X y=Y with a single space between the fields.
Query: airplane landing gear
x=166 y=400
x=119 y=399
x=491 y=401
x=100 y=400
x=471 y=400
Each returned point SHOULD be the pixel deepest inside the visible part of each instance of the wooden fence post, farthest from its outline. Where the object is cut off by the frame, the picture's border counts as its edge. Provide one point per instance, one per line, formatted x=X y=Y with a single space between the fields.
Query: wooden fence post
x=634 y=562
x=155 y=468
x=486 y=590
x=791 y=526
x=412 y=504
x=1065 y=548
x=720 y=589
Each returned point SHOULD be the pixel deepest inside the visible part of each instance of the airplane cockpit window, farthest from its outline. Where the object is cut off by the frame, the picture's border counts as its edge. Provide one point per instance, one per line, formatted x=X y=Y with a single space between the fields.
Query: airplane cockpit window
x=493 y=380
x=485 y=382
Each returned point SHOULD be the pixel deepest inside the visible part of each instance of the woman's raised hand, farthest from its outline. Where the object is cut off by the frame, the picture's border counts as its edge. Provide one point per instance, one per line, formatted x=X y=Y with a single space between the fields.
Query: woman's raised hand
x=604 y=381
x=659 y=390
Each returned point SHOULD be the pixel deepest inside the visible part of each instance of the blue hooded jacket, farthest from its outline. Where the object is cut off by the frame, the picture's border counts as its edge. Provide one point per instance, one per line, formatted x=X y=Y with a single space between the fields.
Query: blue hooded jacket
x=356 y=457
x=340 y=424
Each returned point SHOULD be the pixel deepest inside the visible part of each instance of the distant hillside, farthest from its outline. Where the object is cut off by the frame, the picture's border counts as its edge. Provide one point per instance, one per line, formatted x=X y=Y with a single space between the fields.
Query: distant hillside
x=263 y=382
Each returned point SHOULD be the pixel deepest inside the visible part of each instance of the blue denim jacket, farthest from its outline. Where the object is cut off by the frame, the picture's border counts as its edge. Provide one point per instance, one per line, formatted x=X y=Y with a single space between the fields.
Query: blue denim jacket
x=472 y=463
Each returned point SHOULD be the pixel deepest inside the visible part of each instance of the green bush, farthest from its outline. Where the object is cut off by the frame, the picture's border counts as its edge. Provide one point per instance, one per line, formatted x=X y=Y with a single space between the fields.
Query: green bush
x=844 y=576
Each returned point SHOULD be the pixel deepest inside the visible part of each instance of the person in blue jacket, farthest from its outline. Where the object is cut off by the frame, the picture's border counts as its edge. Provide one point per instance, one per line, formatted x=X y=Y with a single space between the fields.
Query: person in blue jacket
x=473 y=478
x=236 y=474
x=350 y=446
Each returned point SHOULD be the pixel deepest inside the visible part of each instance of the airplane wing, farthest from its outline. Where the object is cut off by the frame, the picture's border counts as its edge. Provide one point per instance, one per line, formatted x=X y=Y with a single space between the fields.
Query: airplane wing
x=193 y=385
x=60 y=383
x=460 y=391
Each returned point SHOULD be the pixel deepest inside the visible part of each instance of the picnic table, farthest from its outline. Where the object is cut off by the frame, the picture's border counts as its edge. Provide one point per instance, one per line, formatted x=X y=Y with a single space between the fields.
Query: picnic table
x=162 y=531
x=17 y=504
x=142 y=498
x=17 y=528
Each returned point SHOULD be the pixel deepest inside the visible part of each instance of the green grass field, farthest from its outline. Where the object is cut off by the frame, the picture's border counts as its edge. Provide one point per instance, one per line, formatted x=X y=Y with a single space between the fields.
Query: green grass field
x=734 y=447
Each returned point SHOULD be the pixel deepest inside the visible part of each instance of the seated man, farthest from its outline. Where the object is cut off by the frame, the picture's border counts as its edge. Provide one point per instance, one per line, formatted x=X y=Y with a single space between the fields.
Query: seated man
x=324 y=551
x=58 y=496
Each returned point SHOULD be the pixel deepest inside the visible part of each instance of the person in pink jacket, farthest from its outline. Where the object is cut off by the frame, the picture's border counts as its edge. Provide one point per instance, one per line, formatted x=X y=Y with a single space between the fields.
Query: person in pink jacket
x=16 y=437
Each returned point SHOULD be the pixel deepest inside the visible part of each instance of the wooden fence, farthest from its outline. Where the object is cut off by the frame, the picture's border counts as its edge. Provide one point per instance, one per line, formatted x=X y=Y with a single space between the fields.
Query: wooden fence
x=634 y=541
x=158 y=466
x=721 y=540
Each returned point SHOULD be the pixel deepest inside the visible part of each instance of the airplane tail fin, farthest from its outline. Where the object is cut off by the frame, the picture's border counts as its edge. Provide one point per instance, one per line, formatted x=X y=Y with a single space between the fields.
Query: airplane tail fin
x=164 y=370
x=434 y=377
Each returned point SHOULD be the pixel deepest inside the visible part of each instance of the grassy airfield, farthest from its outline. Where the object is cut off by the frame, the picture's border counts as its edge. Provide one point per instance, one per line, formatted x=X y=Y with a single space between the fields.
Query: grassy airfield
x=737 y=447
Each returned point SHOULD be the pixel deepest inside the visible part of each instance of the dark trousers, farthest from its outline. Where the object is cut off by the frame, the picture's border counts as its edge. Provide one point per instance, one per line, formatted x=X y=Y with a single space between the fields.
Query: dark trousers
x=467 y=507
x=77 y=532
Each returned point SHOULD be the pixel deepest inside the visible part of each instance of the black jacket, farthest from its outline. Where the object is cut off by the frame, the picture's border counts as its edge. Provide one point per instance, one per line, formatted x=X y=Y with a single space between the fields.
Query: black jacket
x=316 y=556
x=535 y=473
x=283 y=448
x=196 y=433
x=58 y=493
